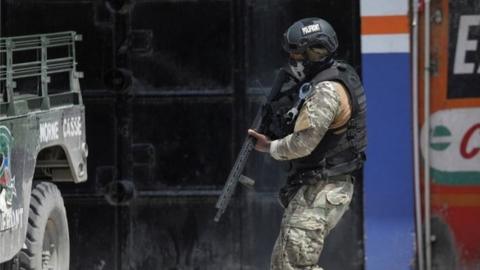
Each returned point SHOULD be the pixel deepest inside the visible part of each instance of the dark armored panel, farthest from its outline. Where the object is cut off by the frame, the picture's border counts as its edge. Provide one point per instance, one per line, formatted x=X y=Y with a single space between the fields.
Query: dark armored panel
x=170 y=88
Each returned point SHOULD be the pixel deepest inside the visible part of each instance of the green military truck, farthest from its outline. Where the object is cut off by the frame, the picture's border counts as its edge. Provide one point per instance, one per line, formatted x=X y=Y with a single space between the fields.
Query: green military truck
x=42 y=142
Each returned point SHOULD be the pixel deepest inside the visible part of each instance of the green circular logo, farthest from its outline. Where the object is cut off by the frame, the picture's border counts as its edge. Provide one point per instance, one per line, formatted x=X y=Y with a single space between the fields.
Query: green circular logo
x=440 y=138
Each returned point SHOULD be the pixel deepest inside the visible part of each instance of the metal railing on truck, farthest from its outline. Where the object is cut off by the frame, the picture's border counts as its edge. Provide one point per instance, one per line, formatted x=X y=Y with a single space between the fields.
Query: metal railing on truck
x=42 y=67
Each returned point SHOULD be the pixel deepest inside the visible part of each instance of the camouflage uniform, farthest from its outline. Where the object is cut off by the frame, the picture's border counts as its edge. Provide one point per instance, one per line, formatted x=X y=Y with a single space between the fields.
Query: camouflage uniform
x=315 y=209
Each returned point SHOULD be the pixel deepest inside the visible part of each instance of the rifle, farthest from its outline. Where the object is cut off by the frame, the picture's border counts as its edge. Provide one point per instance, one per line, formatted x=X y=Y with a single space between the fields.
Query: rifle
x=260 y=124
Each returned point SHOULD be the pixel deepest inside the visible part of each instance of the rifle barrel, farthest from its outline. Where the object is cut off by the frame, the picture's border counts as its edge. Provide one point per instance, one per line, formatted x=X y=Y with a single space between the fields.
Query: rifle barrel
x=259 y=124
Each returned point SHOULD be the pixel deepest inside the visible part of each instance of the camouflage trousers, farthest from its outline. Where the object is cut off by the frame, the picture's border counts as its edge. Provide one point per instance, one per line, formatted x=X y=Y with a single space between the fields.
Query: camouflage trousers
x=311 y=215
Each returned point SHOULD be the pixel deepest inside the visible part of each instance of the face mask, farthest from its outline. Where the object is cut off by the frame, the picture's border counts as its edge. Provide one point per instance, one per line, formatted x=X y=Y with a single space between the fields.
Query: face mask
x=298 y=69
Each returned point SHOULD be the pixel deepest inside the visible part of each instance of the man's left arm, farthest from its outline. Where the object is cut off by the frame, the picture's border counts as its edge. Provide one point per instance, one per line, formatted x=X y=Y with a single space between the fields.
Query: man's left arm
x=317 y=114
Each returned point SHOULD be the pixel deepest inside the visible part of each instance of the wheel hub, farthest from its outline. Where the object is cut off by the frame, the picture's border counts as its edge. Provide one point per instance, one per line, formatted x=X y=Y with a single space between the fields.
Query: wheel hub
x=49 y=253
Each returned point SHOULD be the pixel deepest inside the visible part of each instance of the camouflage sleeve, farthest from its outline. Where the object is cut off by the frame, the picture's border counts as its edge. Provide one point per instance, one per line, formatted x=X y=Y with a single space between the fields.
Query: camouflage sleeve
x=314 y=119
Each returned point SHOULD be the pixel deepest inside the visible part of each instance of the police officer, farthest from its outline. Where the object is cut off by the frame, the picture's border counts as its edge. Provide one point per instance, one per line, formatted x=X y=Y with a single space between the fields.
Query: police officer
x=325 y=140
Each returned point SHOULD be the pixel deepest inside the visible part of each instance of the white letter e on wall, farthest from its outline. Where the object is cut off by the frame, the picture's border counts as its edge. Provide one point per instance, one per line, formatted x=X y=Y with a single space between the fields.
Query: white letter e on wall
x=464 y=44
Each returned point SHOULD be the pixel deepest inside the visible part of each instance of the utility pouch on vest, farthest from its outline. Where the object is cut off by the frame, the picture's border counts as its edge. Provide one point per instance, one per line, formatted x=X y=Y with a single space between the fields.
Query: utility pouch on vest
x=312 y=177
x=294 y=183
x=287 y=193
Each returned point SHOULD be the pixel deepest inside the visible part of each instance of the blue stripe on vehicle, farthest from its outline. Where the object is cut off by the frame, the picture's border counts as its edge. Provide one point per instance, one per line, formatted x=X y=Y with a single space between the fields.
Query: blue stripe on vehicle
x=389 y=217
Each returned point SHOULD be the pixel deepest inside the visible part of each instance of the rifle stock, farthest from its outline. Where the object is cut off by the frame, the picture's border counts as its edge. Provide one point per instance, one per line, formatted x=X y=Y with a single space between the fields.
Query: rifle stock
x=261 y=122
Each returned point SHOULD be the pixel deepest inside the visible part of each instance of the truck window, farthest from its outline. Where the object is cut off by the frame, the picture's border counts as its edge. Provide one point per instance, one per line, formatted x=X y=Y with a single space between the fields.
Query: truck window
x=35 y=63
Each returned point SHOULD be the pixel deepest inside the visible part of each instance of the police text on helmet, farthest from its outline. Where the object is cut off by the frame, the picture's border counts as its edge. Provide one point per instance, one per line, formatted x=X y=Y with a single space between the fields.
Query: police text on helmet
x=310 y=29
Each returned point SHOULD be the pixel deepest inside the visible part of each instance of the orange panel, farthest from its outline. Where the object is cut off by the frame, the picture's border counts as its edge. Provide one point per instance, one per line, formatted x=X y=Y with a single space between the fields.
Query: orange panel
x=377 y=25
x=451 y=200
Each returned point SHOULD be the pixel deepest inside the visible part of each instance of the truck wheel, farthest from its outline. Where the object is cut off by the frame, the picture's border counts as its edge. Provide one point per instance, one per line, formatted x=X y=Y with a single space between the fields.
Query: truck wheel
x=47 y=243
x=444 y=252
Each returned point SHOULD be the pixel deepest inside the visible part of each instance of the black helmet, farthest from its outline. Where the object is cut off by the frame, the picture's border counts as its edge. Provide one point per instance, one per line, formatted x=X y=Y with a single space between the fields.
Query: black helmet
x=310 y=32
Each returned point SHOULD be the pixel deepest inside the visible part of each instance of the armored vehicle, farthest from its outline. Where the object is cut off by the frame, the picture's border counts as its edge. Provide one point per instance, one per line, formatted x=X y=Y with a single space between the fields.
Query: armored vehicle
x=42 y=142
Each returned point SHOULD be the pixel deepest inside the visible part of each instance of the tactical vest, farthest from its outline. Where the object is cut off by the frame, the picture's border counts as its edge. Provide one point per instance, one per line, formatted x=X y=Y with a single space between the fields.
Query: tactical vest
x=341 y=150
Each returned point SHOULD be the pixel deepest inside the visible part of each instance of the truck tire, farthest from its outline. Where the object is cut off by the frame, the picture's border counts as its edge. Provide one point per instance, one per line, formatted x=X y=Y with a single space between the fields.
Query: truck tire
x=47 y=245
x=444 y=252
x=9 y=265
